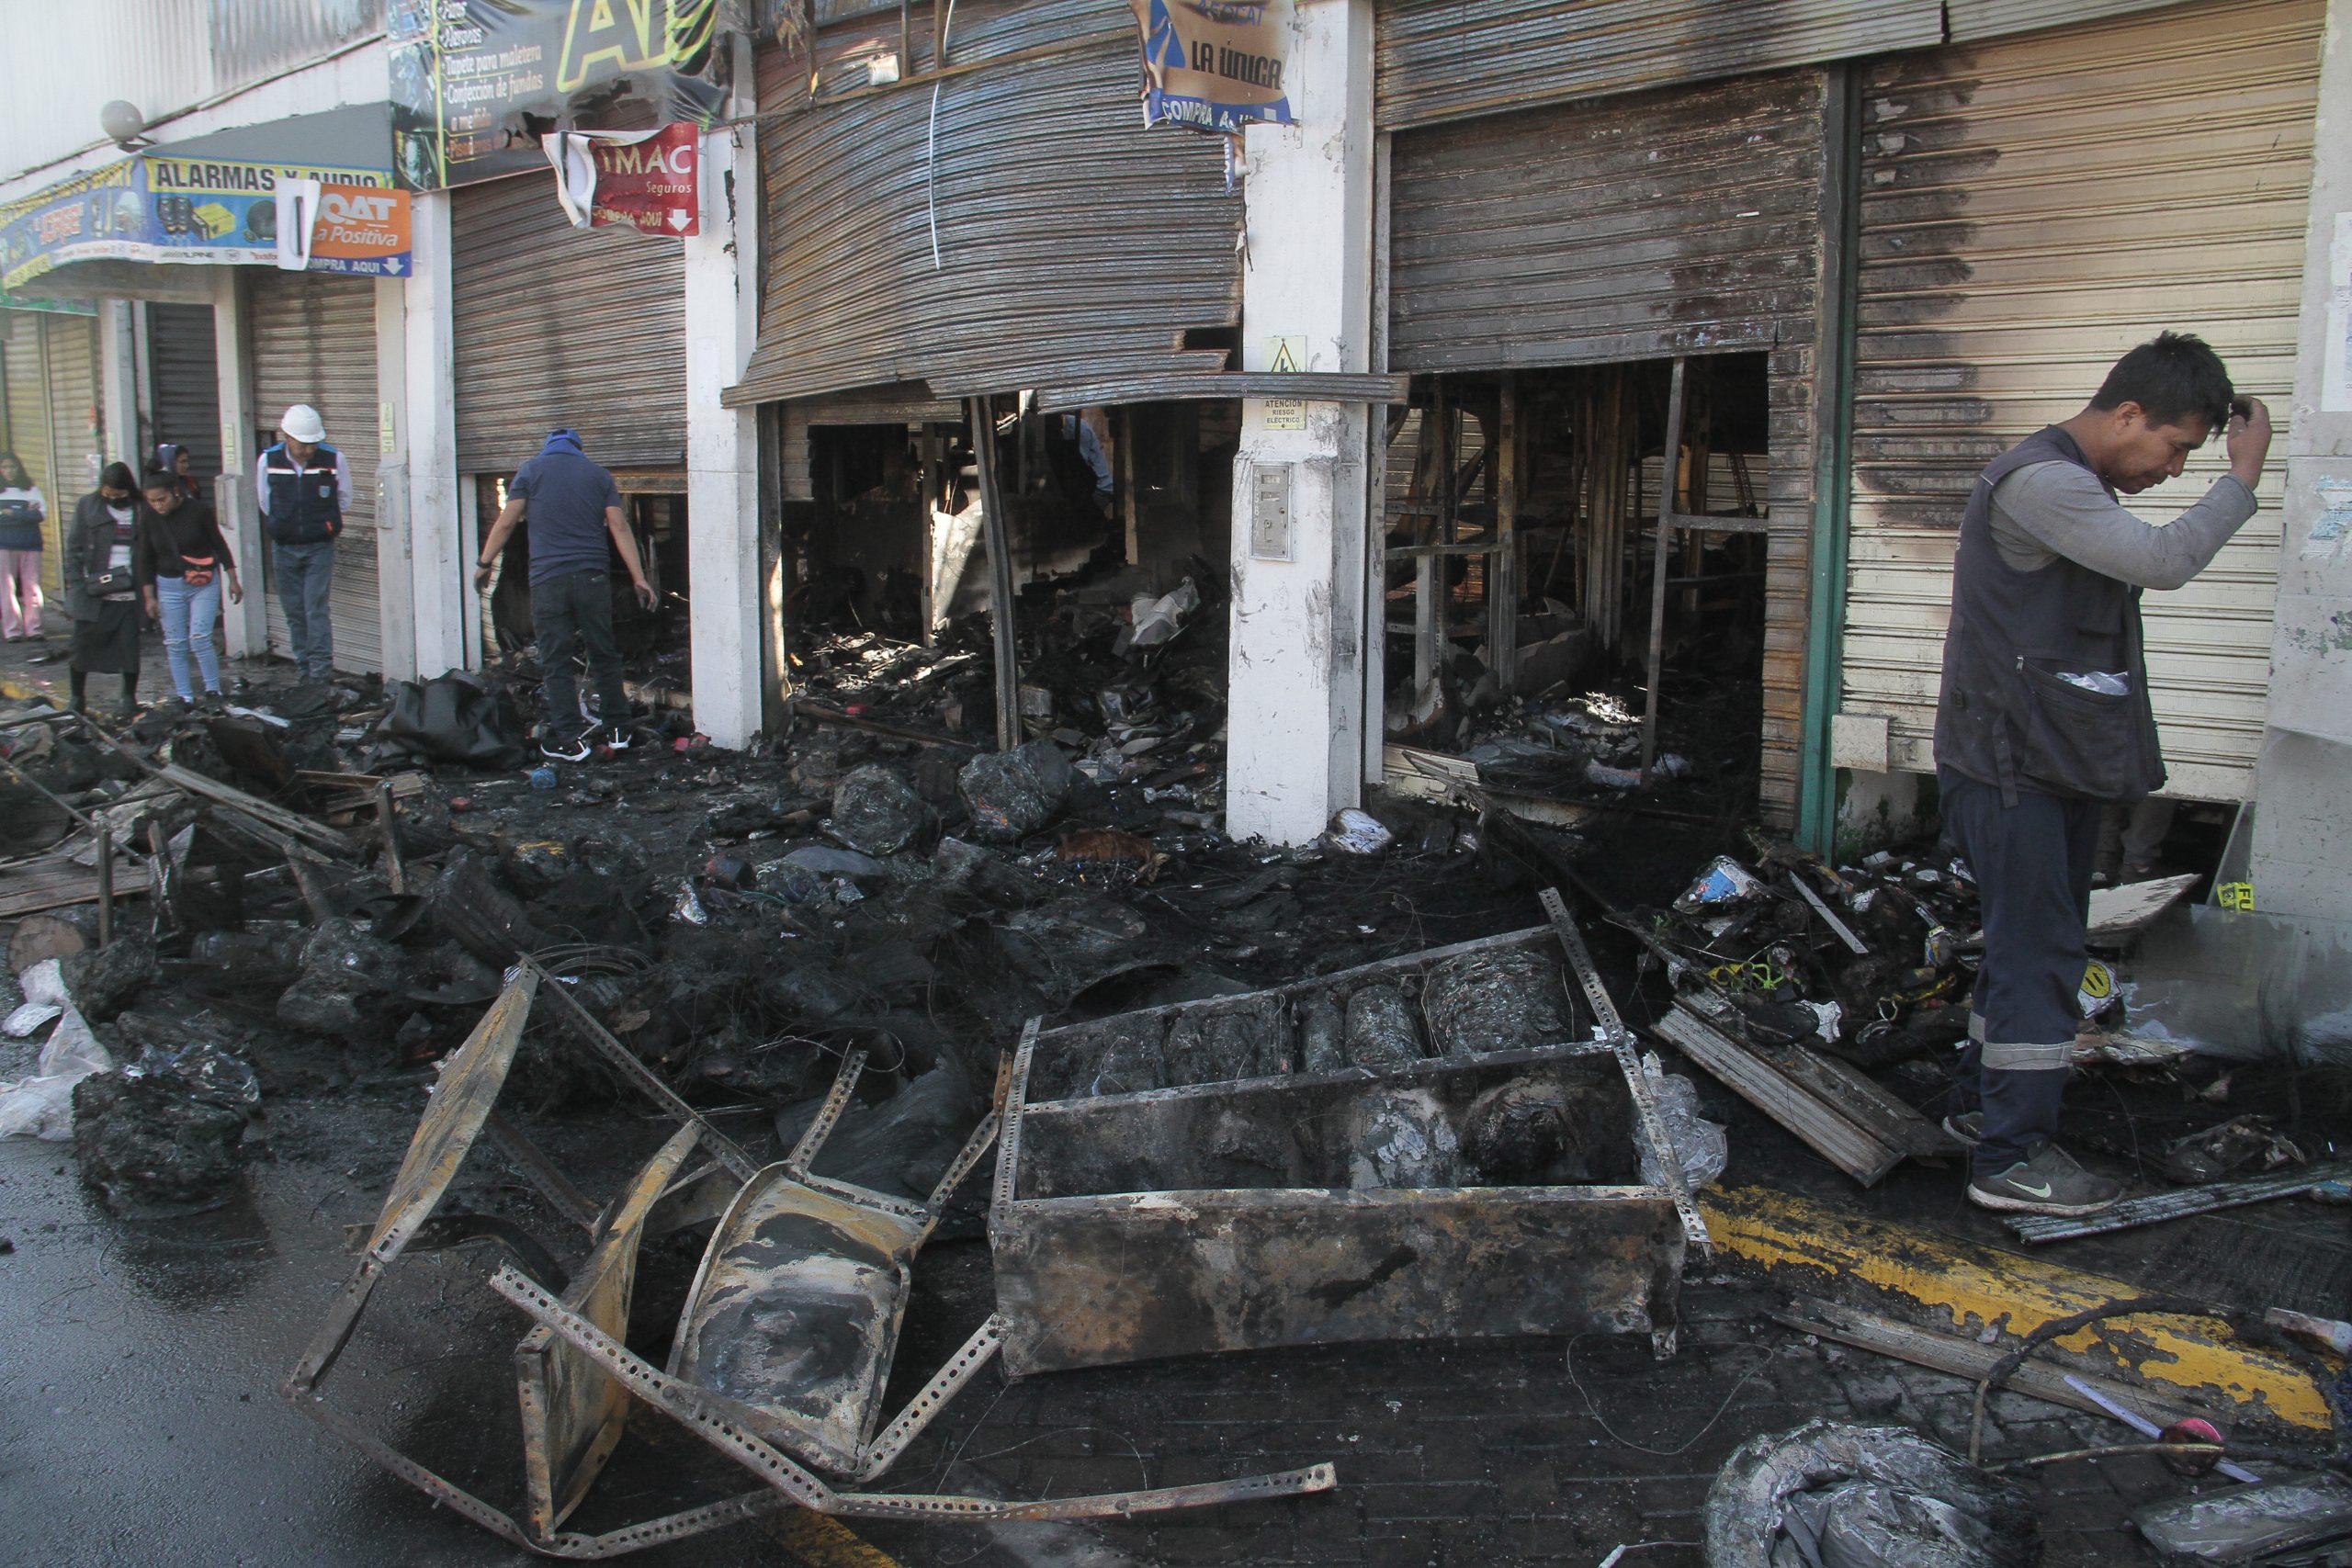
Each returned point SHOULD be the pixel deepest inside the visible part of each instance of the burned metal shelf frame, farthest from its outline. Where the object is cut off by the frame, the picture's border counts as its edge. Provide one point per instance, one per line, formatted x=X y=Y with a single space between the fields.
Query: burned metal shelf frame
x=794 y=1249
x=574 y=1378
x=572 y=1416
x=1192 y=1269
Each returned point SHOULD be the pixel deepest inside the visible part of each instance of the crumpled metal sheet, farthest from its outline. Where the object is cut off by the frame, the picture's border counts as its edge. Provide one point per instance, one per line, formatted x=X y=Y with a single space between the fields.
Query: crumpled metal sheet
x=795 y=1314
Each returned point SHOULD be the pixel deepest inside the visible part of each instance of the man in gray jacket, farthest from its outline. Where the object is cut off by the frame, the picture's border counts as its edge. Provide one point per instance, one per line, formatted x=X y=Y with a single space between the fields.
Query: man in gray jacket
x=2044 y=717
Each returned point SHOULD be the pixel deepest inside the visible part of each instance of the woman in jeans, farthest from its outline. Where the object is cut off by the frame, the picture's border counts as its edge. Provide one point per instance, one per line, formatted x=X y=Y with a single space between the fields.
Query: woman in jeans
x=102 y=588
x=180 y=557
x=22 y=511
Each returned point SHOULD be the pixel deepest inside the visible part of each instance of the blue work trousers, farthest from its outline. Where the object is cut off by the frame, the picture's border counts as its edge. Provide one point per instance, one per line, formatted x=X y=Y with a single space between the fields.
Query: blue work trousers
x=305 y=591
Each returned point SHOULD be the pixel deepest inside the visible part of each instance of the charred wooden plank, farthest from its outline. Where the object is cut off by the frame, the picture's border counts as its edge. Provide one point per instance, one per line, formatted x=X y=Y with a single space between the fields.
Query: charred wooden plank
x=1852 y=1149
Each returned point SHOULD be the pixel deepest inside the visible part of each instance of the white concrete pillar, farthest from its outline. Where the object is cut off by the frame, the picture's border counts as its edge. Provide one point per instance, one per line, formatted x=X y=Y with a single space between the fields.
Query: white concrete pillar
x=395 y=567
x=118 y=383
x=1297 y=701
x=247 y=625
x=440 y=569
x=722 y=444
x=2301 y=862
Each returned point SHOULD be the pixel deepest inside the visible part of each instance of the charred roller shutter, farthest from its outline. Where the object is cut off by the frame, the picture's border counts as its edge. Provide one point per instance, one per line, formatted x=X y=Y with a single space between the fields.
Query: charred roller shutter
x=562 y=326
x=1640 y=227
x=2032 y=209
x=1007 y=225
x=28 y=394
x=312 y=339
x=1448 y=60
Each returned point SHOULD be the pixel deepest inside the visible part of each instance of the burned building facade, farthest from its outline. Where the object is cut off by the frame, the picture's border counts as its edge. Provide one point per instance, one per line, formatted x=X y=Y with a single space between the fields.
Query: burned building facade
x=1642 y=352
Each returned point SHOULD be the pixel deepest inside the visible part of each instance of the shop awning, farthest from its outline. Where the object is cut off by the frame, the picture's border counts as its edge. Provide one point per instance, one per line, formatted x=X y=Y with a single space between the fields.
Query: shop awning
x=127 y=229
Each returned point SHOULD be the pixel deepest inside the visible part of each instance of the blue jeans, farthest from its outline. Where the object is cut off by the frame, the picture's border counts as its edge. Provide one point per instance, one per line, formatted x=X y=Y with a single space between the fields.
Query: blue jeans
x=305 y=582
x=189 y=614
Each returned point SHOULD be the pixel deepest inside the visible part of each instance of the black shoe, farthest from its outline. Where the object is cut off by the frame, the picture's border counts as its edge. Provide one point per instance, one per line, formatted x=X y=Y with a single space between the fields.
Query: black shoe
x=576 y=750
x=2046 y=1181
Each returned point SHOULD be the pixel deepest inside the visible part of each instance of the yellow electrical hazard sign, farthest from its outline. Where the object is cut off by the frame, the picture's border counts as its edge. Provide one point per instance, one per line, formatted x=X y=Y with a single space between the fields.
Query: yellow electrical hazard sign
x=2097 y=988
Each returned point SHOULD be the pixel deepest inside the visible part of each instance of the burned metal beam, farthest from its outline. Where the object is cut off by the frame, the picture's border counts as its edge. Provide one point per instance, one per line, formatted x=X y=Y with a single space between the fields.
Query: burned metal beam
x=1620 y=1042
x=981 y=412
x=2177 y=1205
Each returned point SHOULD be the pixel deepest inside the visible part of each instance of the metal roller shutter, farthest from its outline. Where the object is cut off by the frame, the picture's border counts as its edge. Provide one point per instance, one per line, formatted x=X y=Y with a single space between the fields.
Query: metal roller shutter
x=2030 y=209
x=926 y=231
x=1972 y=19
x=556 y=326
x=184 y=382
x=28 y=394
x=312 y=339
x=77 y=442
x=1442 y=59
x=1684 y=221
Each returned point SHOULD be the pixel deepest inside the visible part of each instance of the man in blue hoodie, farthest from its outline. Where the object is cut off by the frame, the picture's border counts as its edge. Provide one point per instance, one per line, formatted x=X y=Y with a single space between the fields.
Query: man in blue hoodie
x=576 y=524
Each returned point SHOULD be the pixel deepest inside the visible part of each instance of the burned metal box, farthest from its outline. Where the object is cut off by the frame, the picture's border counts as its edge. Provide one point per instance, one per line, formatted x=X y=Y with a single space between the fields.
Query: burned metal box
x=1486 y=1193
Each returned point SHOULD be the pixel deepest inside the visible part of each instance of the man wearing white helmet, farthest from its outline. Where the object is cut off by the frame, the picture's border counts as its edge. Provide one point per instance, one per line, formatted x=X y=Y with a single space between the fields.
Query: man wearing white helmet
x=303 y=485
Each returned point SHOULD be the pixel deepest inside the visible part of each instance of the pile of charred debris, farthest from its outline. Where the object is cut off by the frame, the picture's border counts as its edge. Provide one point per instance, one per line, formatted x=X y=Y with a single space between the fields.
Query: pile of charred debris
x=1127 y=683
x=875 y=982
x=1835 y=998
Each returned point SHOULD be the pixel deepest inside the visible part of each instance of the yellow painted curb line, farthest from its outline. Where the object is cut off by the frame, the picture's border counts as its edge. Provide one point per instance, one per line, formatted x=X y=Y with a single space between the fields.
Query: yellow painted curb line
x=822 y=1542
x=1964 y=1287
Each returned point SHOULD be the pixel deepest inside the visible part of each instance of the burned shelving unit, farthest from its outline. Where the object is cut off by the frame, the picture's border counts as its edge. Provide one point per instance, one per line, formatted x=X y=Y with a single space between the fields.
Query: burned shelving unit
x=1526 y=1190
x=783 y=1351
x=1552 y=531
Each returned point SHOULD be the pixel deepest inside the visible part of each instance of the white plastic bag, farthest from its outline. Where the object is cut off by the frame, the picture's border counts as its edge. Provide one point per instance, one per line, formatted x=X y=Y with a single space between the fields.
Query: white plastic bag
x=1701 y=1147
x=43 y=1105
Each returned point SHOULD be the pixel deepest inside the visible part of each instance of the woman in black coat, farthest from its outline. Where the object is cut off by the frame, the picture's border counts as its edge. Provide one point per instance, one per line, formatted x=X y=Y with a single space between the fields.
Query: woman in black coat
x=102 y=587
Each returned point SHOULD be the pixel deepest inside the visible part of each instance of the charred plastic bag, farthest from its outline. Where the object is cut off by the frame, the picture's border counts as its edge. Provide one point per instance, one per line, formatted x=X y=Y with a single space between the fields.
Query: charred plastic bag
x=1830 y=1496
x=453 y=718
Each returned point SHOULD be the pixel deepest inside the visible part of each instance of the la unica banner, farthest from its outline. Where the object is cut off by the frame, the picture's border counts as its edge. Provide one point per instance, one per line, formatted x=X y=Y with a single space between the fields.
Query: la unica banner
x=156 y=207
x=647 y=180
x=1212 y=64
x=476 y=84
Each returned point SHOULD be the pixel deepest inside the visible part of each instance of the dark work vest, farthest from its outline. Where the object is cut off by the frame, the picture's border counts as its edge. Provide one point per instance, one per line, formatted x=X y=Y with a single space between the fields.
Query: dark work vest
x=304 y=505
x=2004 y=718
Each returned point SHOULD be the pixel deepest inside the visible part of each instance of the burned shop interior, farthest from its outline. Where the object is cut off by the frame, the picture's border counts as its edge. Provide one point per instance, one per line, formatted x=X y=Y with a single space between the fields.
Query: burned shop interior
x=1531 y=609
x=654 y=642
x=1117 y=522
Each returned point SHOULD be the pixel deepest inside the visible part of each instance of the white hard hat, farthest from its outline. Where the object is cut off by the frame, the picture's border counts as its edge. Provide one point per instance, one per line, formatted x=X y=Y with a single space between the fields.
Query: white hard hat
x=302 y=422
